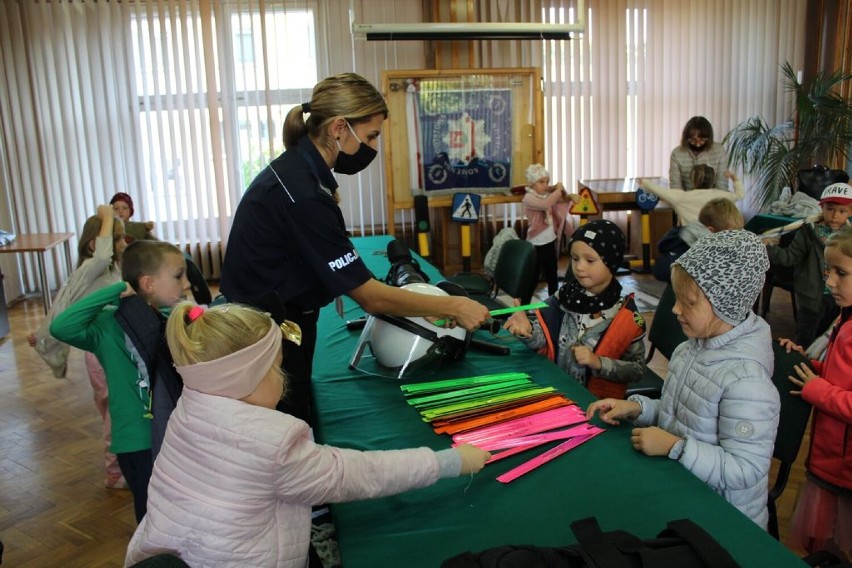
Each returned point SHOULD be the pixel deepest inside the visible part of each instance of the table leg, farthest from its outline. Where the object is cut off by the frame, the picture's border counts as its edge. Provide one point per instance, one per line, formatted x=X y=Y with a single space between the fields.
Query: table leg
x=68 y=266
x=45 y=288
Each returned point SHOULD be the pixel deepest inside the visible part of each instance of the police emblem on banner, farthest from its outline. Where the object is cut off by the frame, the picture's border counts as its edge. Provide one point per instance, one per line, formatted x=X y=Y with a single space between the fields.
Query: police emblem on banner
x=465 y=138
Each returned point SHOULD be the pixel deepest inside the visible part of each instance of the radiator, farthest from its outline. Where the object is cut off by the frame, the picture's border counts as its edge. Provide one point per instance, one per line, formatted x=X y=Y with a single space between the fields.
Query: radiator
x=208 y=257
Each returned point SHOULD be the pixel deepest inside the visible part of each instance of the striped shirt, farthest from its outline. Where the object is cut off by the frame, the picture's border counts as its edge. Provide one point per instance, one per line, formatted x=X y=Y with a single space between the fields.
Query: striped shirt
x=682 y=161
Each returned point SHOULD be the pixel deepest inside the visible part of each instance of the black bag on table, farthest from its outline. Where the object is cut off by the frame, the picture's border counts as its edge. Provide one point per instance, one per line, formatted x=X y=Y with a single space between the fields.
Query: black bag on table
x=683 y=544
x=814 y=180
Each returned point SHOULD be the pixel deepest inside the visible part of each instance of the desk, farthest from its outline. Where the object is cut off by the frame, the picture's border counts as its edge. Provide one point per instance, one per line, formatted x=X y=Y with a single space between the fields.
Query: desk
x=40 y=243
x=604 y=477
x=619 y=194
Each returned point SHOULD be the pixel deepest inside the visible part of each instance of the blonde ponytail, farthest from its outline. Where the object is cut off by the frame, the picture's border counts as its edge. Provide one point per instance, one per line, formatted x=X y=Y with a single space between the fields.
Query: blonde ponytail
x=215 y=333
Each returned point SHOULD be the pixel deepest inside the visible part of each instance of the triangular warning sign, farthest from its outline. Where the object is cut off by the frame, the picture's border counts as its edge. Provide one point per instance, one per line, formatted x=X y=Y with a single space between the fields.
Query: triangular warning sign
x=587 y=204
x=465 y=208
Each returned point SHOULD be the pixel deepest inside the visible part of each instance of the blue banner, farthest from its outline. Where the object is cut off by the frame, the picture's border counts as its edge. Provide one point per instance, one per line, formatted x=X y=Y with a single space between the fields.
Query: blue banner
x=465 y=138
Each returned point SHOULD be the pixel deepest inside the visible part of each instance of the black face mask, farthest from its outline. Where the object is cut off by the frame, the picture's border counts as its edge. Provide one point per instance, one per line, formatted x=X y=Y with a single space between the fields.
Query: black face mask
x=353 y=163
x=696 y=149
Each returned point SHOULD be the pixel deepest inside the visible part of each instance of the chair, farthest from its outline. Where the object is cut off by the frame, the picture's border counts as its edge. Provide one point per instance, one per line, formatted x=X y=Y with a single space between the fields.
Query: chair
x=197 y=284
x=161 y=561
x=792 y=423
x=665 y=335
x=515 y=274
x=780 y=276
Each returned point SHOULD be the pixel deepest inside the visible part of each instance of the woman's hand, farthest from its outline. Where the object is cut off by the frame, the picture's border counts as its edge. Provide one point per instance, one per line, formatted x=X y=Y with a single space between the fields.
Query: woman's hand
x=518 y=323
x=805 y=376
x=470 y=314
x=653 y=441
x=612 y=410
x=473 y=459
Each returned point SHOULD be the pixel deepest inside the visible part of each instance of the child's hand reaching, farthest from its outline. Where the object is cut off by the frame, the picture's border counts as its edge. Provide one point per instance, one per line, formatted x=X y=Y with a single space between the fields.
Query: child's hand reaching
x=730 y=175
x=805 y=376
x=105 y=212
x=518 y=323
x=473 y=459
x=586 y=357
x=128 y=291
x=790 y=346
x=653 y=441
x=611 y=410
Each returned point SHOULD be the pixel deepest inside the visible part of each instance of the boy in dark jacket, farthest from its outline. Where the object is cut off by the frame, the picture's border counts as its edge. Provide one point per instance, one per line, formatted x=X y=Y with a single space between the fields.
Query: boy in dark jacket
x=815 y=308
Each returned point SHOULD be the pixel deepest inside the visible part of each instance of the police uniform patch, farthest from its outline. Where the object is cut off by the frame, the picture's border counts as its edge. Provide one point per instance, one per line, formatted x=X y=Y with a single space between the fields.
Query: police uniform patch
x=744 y=429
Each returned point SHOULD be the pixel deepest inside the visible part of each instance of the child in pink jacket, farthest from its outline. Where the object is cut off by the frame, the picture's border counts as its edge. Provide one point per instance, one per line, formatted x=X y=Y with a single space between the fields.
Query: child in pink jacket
x=546 y=207
x=235 y=479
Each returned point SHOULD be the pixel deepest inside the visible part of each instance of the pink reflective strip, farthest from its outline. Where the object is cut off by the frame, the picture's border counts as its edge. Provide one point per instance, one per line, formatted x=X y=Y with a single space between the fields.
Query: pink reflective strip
x=534 y=424
x=504 y=443
x=542 y=459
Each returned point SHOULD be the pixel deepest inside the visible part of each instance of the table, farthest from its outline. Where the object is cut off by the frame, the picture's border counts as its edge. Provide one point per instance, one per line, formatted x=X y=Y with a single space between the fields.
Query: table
x=604 y=477
x=766 y=221
x=39 y=244
x=619 y=194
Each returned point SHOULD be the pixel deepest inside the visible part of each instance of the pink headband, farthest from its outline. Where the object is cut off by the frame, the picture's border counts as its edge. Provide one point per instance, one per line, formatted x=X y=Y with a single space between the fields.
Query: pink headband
x=238 y=374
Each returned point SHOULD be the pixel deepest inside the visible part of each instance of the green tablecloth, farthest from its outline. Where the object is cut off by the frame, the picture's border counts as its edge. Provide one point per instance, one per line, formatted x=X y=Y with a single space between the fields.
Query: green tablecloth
x=604 y=477
x=766 y=221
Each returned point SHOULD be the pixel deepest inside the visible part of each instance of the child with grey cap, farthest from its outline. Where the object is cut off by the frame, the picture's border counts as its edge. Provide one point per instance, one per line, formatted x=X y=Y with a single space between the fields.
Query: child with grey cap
x=718 y=414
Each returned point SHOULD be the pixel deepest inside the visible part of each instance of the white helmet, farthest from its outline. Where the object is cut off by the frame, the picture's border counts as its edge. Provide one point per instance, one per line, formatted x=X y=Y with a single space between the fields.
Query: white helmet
x=400 y=344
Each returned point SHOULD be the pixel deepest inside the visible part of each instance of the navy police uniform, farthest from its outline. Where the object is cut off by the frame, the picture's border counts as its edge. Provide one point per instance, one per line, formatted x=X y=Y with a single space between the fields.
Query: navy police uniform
x=289 y=253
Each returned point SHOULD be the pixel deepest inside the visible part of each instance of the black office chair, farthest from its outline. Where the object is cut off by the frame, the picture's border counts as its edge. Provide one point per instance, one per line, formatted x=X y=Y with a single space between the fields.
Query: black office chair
x=780 y=277
x=197 y=284
x=162 y=561
x=792 y=424
x=515 y=275
x=665 y=335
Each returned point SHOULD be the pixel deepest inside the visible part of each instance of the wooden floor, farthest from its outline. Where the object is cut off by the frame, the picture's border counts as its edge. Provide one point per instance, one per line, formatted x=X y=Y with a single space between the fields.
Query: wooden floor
x=54 y=509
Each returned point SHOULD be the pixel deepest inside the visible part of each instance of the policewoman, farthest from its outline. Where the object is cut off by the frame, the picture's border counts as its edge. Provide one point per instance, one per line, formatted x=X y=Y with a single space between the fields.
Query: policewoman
x=288 y=250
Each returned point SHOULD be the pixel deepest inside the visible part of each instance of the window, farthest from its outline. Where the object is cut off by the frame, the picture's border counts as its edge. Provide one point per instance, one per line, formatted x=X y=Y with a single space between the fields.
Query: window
x=213 y=91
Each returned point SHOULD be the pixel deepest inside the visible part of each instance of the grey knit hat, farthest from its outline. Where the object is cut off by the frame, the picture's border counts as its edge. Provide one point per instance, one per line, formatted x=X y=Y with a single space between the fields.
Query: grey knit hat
x=730 y=268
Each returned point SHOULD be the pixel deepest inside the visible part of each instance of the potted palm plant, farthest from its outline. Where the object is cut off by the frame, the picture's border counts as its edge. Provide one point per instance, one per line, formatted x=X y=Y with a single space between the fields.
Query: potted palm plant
x=819 y=132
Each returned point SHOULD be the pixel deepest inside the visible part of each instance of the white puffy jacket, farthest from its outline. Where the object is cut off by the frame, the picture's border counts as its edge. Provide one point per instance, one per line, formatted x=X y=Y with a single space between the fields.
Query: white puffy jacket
x=234 y=484
x=719 y=397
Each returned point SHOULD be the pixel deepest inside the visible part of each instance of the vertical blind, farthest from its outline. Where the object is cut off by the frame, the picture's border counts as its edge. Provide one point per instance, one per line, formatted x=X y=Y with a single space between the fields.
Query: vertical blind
x=181 y=102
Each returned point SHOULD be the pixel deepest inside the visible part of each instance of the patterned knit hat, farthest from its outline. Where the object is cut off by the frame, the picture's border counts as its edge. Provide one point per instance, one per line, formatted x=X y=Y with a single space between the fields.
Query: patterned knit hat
x=605 y=238
x=730 y=268
x=535 y=172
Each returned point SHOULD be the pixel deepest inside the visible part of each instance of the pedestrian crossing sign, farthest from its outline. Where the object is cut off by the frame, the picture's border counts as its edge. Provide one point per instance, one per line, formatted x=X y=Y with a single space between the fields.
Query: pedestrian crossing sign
x=466 y=207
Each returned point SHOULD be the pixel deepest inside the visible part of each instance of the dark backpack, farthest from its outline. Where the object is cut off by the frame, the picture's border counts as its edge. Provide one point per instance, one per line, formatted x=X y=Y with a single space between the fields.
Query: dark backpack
x=683 y=544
